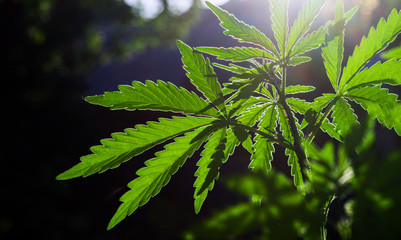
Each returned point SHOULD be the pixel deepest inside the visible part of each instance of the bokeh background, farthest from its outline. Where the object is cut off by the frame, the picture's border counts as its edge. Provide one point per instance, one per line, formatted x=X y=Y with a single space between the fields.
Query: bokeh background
x=54 y=53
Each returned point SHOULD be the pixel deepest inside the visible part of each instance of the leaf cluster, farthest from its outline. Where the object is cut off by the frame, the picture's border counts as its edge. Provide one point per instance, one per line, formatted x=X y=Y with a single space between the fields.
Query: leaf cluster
x=255 y=109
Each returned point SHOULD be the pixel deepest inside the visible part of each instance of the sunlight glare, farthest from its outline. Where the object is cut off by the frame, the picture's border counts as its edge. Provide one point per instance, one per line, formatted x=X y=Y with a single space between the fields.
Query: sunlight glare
x=179 y=6
x=367 y=7
x=150 y=9
x=215 y=2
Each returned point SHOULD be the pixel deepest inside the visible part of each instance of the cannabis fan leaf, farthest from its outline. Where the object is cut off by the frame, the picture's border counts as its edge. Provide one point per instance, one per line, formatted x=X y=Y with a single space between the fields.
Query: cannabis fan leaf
x=255 y=108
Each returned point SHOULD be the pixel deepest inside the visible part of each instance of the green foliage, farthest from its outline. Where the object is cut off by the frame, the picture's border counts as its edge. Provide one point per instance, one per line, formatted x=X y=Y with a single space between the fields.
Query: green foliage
x=256 y=110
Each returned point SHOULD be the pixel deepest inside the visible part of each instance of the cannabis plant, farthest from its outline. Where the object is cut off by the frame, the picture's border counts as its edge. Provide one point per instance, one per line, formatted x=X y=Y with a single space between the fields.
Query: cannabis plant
x=257 y=108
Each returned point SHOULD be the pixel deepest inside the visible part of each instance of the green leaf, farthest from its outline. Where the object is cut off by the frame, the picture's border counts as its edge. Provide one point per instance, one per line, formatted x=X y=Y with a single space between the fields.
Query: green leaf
x=252 y=115
x=263 y=148
x=310 y=9
x=279 y=18
x=311 y=41
x=380 y=104
x=321 y=102
x=388 y=72
x=237 y=54
x=296 y=171
x=202 y=75
x=292 y=157
x=154 y=96
x=299 y=60
x=343 y=116
x=298 y=105
x=123 y=146
x=232 y=68
x=294 y=89
x=317 y=38
x=213 y=156
x=377 y=40
x=157 y=173
x=333 y=52
x=318 y=105
x=392 y=53
x=242 y=31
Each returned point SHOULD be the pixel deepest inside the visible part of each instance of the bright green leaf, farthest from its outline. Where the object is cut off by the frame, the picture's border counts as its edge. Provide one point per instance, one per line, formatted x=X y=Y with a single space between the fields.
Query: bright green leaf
x=202 y=75
x=343 y=116
x=299 y=60
x=157 y=174
x=242 y=31
x=377 y=40
x=294 y=89
x=388 y=72
x=317 y=38
x=154 y=96
x=123 y=146
x=237 y=54
x=392 y=53
x=302 y=24
x=279 y=18
x=333 y=52
x=380 y=104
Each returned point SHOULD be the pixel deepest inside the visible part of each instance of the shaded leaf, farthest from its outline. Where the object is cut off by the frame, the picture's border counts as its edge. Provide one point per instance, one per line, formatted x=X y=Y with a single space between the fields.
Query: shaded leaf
x=292 y=157
x=212 y=159
x=263 y=148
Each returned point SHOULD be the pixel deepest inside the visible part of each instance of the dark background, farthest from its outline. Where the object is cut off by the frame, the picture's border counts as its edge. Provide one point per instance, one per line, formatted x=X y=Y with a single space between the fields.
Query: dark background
x=54 y=53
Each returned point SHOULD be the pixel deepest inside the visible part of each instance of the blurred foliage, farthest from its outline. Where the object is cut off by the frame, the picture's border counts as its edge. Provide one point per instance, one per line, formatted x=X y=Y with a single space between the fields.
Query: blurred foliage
x=356 y=193
x=49 y=47
x=392 y=53
x=67 y=37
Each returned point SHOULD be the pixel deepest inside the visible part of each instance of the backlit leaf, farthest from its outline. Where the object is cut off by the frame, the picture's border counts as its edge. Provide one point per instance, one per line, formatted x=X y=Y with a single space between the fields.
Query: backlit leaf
x=377 y=40
x=157 y=174
x=242 y=31
x=123 y=146
x=202 y=75
x=163 y=96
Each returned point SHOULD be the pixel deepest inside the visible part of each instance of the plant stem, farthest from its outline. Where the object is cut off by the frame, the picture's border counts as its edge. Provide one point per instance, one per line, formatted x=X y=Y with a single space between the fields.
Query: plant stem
x=291 y=121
